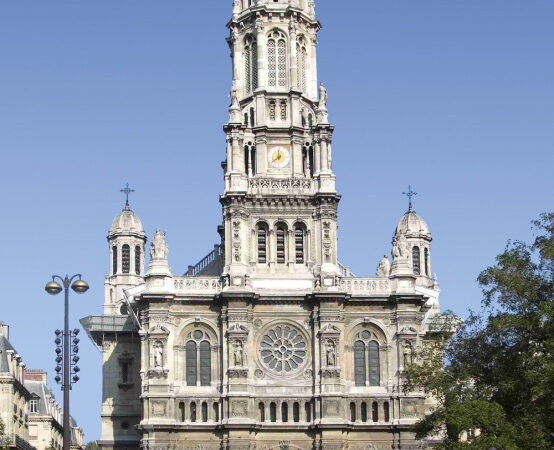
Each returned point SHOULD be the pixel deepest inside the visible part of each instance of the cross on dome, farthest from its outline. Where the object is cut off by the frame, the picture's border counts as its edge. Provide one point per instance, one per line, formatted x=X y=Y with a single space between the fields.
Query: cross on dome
x=410 y=194
x=127 y=190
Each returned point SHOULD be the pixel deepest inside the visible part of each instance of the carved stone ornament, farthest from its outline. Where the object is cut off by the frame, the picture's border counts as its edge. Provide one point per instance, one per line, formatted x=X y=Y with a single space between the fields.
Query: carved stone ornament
x=237 y=373
x=158 y=408
x=157 y=373
x=259 y=374
x=383 y=271
x=239 y=408
x=328 y=372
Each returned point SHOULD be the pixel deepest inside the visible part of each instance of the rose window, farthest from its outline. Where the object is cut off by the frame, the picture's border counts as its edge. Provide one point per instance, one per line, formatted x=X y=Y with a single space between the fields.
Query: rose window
x=283 y=349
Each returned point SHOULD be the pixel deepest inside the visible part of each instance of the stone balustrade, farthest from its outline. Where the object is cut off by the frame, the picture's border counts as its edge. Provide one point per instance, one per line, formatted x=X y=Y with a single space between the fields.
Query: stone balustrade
x=265 y=185
x=366 y=286
x=197 y=285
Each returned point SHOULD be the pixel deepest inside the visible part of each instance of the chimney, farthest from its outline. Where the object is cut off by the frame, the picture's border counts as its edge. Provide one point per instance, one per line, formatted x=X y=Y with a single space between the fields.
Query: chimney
x=35 y=375
x=5 y=330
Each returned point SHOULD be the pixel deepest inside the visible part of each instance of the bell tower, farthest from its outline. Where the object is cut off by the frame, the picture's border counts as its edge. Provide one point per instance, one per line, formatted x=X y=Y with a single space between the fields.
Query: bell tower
x=279 y=203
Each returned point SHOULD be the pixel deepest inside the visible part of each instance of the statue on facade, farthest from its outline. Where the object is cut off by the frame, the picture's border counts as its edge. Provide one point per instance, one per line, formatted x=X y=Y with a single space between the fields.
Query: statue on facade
x=408 y=354
x=234 y=96
x=305 y=119
x=323 y=96
x=158 y=246
x=331 y=354
x=158 y=355
x=400 y=247
x=383 y=271
x=238 y=354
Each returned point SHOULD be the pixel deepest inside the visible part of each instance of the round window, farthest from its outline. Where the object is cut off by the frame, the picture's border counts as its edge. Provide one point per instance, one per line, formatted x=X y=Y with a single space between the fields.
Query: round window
x=283 y=349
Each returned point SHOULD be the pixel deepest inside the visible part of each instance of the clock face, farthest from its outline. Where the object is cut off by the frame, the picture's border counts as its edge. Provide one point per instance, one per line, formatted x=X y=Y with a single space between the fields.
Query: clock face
x=279 y=157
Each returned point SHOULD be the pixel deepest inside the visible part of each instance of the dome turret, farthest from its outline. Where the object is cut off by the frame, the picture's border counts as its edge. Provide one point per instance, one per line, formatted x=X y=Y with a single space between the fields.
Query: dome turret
x=127 y=223
x=411 y=224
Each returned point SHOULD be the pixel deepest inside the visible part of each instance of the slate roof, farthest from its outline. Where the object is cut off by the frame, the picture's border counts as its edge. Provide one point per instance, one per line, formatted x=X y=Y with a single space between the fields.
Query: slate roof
x=5 y=346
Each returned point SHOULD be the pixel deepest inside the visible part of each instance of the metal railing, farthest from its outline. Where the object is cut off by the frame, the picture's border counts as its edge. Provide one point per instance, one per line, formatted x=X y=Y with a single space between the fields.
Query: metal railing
x=215 y=255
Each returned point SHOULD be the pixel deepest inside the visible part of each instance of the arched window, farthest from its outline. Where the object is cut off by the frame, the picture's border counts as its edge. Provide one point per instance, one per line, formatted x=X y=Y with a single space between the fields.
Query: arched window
x=252 y=118
x=299 y=243
x=386 y=410
x=250 y=64
x=192 y=368
x=273 y=412
x=352 y=412
x=182 y=411
x=283 y=108
x=216 y=412
x=364 y=412
x=359 y=363
x=375 y=412
x=272 y=110
x=126 y=258
x=137 y=259
x=366 y=344
x=250 y=159
x=114 y=260
x=277 y=59
x=426 y=253
x=261 y=408
x=308 y=160
x=262 y=244
x=281 y=244
x=205 y=364
x=284 y=412
x=301 y=61
x=204 y=412
x=374 y=364
x=193 y=412
x=416 y=260
x=296 y=412
x=308 y=411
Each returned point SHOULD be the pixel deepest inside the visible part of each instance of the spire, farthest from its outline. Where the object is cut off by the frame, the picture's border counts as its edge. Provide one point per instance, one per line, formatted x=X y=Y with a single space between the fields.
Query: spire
x=410 y=194
x=127 y=190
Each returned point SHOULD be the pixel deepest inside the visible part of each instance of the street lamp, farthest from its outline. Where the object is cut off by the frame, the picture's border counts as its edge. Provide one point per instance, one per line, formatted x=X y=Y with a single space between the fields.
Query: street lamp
x=54 y=288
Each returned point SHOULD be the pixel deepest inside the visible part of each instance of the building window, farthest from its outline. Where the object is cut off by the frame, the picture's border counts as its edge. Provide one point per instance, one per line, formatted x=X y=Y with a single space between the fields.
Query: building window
x=375 y=412
x=366 y=344
x=193 y=412
x=125 y=371
x=416 y=260
x=277 y=59
x=296 y=412
x=364 y=412
x=126 y=258
x=196 y=360
x=308 y=411
x=182 y=411
x=352 y=412
x=262 y=244
x=308 y=160
x=216 y=412
x=273 y=412
x=426 y=254
x=281 y=244
x=301 y=58
x=204 y=412
x=137 y=259
x=33 y=406
x=250 y=159
x=386 y=411
x=114 y=260
x=250 y=64
x=272 y=109
x=284 y=412
x=261 y=408
x=299 y=243
x=283 y=108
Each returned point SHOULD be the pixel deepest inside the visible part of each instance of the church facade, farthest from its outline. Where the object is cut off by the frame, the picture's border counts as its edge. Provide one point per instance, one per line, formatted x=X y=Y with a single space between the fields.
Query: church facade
x=268 y=342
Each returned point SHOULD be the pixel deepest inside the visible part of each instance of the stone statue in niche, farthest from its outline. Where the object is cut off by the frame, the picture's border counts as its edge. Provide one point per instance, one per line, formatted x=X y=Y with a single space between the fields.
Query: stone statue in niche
x=331 y=353
x=158 y=355
x=158 y=246
x=238 y=354
x=383 y=271
x=234 y=96
x=408 y=354
x=323 y=97
x=305 y=119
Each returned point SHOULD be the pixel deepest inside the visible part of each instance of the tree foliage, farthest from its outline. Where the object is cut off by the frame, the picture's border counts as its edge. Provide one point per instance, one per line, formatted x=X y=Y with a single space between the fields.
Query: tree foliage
x=92 y=446
x=499 y=372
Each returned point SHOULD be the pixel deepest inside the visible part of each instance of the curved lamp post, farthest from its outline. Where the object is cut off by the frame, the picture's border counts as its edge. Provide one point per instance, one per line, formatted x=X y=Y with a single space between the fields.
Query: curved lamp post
x=54 y=288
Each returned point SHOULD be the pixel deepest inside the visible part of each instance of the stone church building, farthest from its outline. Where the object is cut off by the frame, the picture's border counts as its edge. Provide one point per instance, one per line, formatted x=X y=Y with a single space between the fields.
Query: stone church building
x=268 y=342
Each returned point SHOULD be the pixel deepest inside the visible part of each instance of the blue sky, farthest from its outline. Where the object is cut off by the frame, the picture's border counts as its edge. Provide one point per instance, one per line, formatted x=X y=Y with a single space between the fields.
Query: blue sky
x=455 y=98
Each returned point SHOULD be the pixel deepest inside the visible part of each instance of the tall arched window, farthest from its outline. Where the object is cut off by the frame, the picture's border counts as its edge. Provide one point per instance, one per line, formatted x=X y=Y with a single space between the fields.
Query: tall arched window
x=364 y=412
x=308 y=160
x=250 y=159
x=114 y=260
x=193 y=412
x=261 y=408
x=366 y=344
x=198 y=363
x=273 y=412
x=204 y=411
x=182 y=411
x=284 y=412
x=426 y=253
x=281 y=234
x=216 y=412
x=296 y=412
x=299 y=243
x=308 y=411
x=416 y=260
x=352 y=412
x=126 y=258
x=386 y=411
x=250 y=64
x=262 y=243
x=301 y=60
x=375 y=412
x=137 y=259
x=359 y=363
x=277 y=59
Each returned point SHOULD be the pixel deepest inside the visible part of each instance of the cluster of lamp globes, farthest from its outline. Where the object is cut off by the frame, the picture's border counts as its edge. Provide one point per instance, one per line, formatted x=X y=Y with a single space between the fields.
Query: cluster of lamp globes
x=53 y=288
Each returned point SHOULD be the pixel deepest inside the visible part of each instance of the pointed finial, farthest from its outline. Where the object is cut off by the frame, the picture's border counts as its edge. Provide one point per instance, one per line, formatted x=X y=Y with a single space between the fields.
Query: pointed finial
x=127 y=190
x=410 y=194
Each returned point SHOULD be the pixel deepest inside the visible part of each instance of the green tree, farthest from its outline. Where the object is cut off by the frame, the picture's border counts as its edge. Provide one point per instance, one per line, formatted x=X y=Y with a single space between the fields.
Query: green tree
x=92 y=446
x=499 y=370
